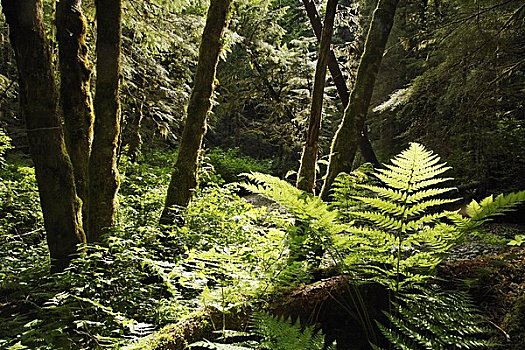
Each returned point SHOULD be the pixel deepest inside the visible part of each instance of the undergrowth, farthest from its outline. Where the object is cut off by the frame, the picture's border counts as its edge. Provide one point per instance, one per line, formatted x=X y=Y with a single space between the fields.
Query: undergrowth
x=226 y=254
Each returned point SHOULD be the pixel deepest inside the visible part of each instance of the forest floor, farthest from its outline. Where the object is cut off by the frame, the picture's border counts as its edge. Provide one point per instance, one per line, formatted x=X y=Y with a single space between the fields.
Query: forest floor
x=494 y=276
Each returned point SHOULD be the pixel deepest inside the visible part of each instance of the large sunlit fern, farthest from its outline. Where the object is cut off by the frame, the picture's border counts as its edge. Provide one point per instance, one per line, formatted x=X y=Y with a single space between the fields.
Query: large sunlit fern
x=400 y=230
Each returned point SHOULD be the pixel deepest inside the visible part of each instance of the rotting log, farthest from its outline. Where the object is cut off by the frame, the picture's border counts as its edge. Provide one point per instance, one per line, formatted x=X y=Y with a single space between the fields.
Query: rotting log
x=344 y=311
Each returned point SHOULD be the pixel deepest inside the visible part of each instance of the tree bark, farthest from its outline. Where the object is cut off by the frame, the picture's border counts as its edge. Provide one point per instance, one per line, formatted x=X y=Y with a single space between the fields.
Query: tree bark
x=75 y=91
x=339 y=80
x=103 y=172
x=306 y=175
x=134 y=139
x=346 y=139
x=184 y=177
x=38 y=103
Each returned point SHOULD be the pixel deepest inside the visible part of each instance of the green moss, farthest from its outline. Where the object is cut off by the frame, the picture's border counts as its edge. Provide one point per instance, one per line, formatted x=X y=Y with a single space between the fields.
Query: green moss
x=514 y=324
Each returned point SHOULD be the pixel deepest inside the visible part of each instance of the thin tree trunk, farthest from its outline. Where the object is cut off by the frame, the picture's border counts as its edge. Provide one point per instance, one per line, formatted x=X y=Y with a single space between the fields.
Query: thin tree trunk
x=339 y=80
x=306 y=175
x=346 y=139
x=134 y=140
x=103 y=172
x=184 y=178
x=75 y=91
x=38 y=104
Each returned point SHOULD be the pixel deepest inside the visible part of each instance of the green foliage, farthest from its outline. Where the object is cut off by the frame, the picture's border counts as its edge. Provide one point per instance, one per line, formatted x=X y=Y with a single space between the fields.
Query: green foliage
x=428 y=318
x=143 y=189
x=396 y=233
x=108 y=292
x=234 y=252
x=280 y=335
x=518 y=240
x=264 y=83
x=225 y=254
x=274 y=333
x=314 y=223
x=489 y=207
x=22 y=243
x=231 y=163
x=345 y=188
x=463 y=67
x=5 y=145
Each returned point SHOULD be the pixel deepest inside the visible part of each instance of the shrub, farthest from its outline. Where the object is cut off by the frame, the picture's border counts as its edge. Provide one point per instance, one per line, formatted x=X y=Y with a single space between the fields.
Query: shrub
x=231 y=163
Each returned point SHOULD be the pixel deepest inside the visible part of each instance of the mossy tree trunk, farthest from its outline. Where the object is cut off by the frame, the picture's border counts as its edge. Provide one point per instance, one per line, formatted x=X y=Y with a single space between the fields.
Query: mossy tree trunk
x=184 y=177
x=75 y=91
x=346 y=139
x=39 y=106
x=134 y=139
x=103 y=172
x=306 y=175
x=339 y=80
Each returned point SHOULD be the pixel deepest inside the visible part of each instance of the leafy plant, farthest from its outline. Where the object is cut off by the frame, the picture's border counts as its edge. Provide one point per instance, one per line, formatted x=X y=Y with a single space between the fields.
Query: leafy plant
x=345 y=188
x=231 y=163
x=518 y=240
x=428 y=318
x=274 y=333
x=314 y=223
x=396 y=234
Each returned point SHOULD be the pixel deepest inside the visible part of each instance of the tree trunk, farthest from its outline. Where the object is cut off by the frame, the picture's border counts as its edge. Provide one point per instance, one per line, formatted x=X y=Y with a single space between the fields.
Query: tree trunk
x=38 y=103
x=184 y=178
x=339 y=80
x=306 y=176
x=103 y=172
x=75 y=91
x=134 y=140
x=346 y=139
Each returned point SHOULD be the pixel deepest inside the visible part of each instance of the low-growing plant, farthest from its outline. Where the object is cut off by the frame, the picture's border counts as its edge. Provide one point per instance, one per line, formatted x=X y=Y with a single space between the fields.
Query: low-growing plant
x=273 y=333
x=395 y=233
x=229 y=164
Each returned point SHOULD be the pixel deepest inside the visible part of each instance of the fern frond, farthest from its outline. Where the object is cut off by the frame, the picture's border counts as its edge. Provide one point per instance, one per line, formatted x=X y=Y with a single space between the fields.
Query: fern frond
x=382 y=205
x=385 y=192
x=421 y=207
x=400 y=228
x=432 y=319
x=420 y=223
x=297 y=202
x=382 y=220
x=279 y=334
x=428 y=193
x=489 y=207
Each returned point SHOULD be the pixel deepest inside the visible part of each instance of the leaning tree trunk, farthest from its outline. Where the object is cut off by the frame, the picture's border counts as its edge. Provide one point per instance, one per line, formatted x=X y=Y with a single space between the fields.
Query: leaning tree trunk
x=306 y=176
x=103 y=172
x=38 y=104
x=339 y=80
x=75 y=90
x=346 y=139
x=184 y=177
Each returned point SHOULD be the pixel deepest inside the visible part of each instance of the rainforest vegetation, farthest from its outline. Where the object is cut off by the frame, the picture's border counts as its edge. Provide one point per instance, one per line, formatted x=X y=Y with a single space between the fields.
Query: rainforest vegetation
x=262 y=174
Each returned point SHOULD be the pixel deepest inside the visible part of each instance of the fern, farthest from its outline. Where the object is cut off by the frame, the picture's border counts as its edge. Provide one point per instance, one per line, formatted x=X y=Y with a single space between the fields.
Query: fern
x=275 y=334
x=297 y=202
x=396 y=233
x=480 y=212
x=428 y=318
x=315 y=223
x=345 y=189
x=278 y=334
